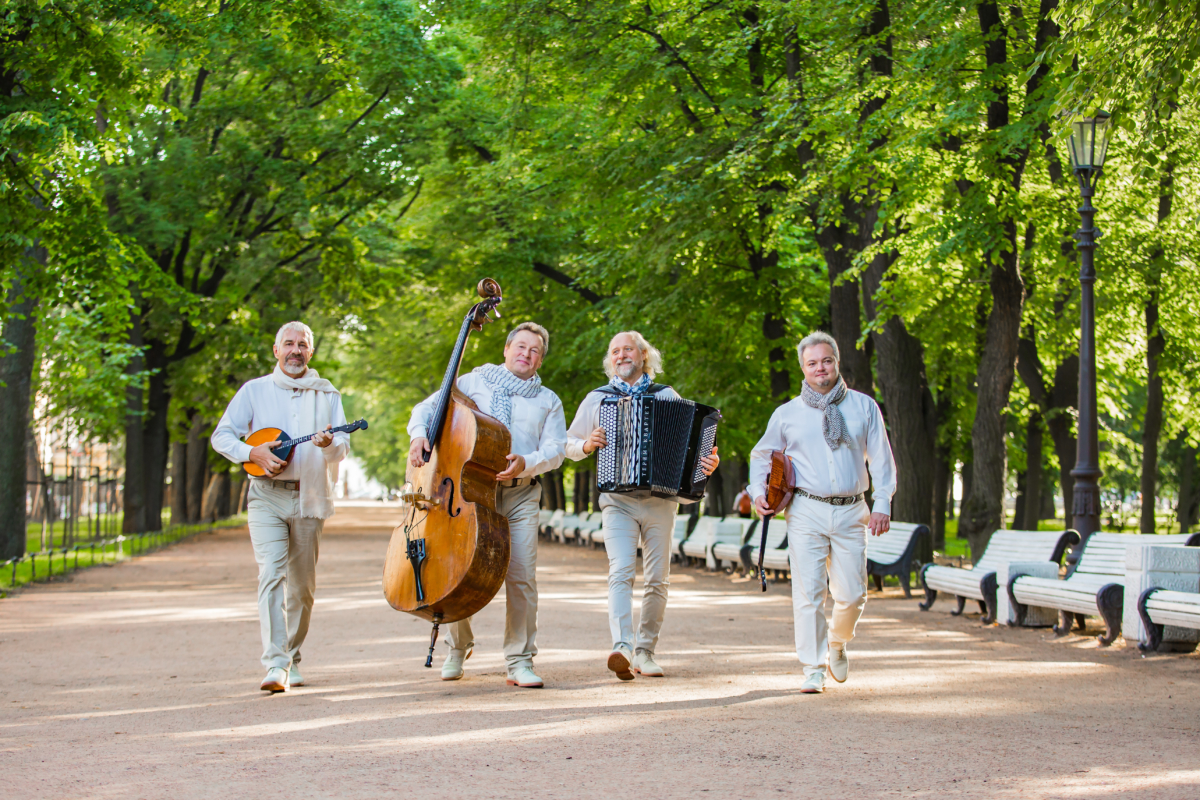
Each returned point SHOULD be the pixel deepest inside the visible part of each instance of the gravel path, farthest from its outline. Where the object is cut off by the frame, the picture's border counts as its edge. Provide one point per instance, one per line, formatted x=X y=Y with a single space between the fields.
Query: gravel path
x=141 y=681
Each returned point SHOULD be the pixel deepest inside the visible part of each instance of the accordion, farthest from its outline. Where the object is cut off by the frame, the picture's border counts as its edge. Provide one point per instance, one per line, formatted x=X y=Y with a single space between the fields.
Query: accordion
x=655 y=444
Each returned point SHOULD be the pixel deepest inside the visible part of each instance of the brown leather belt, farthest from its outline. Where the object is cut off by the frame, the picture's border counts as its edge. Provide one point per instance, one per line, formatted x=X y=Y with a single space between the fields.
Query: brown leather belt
x=515 y=482
x=833 y=501
x=289 y=486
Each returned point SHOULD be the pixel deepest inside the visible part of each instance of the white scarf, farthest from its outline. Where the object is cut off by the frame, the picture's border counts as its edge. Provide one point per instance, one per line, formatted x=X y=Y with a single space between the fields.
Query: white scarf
x=317 y=476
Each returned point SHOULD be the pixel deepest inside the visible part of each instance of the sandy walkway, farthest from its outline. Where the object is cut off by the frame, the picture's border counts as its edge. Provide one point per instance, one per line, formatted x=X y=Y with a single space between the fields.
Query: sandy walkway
x=141 y=680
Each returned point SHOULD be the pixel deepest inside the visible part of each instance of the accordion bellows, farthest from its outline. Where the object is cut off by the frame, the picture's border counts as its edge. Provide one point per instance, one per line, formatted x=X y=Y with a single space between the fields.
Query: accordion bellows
x=655 y=444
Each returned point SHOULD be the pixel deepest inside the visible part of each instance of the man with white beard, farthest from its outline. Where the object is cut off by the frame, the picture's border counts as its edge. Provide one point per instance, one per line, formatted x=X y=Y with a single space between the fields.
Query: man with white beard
x=288 y=508
x=832 y=434
x=631 y=364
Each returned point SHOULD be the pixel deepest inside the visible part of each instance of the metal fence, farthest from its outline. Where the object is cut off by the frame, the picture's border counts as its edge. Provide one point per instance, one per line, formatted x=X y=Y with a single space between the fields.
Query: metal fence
x=82 y=505
x=52 y=561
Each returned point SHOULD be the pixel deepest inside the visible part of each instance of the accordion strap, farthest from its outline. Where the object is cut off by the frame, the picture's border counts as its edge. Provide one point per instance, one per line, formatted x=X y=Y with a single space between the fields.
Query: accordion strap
x=653 y=388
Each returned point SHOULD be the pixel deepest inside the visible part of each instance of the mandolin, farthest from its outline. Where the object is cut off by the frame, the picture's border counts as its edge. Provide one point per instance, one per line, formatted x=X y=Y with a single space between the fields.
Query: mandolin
x=287 y=447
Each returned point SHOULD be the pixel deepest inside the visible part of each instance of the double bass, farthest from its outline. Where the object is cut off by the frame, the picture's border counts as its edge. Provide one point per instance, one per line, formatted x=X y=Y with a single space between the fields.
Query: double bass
x=449 y=555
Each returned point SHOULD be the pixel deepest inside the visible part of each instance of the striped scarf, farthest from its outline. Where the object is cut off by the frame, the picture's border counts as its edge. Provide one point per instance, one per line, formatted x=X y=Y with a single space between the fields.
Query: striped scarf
x=504 y=385
x=636 y=390
x=834 y=425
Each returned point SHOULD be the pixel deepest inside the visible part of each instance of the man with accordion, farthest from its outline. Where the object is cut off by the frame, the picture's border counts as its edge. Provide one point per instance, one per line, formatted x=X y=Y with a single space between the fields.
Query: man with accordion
x=657 y=452
x=831 y=435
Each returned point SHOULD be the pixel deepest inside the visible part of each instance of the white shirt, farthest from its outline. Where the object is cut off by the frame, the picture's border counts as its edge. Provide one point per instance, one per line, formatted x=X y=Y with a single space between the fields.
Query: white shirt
x=260 y=403
x=538 y=429
x=795 y=428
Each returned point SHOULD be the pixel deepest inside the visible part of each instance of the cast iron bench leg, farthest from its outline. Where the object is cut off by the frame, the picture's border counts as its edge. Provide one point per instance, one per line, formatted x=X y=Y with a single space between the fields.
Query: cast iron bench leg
x=962 y=603
x=988 y=587
x=1111 y=601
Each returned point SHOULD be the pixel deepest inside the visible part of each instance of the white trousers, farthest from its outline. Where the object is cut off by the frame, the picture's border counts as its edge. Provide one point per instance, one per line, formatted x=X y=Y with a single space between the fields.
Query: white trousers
x=626 y=521
x=286 y=547
x=827 y=546
x=520 y=505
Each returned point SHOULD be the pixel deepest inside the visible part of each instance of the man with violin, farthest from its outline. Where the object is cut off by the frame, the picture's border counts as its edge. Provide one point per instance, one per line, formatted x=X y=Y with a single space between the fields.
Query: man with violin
x=512 y=393
x=831 y=435
x=289 y=504
x=632 y=517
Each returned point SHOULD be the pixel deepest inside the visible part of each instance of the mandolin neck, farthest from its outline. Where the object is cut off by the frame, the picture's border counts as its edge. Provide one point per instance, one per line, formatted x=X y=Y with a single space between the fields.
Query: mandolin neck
x=303 y=439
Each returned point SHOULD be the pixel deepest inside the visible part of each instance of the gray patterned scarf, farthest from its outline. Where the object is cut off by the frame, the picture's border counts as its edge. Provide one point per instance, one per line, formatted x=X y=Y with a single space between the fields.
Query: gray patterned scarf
x=638 y=389
x=504 y=385
x=834 y=425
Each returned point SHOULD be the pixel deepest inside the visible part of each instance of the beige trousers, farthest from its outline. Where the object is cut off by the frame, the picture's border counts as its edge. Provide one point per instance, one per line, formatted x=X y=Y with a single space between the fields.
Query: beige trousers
x=628 y=520
x=285 y=547
x=827 y=546
x=520 y=505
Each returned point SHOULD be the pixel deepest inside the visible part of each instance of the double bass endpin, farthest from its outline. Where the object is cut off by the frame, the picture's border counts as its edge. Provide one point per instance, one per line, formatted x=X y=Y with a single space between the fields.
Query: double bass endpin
x=437 y=620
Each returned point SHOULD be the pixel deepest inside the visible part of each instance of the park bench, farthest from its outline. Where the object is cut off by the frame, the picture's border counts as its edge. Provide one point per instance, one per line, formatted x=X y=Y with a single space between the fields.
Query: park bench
x=895 y=553
x=696 y=541
x=1162 y=598
x=682 y=523
x=1095 y=586
x=729 y=532
x=565 y=530
x=979 y=583
x=1159 y=608
x=591 y=529
x=546 y=520
x=732 y=551
x=776 y=557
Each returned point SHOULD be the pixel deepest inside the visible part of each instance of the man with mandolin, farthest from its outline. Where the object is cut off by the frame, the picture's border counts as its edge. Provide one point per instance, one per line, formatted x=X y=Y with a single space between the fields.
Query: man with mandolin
x=289 y=498
x=827 y=438
x=632 y=517
x=513 y=394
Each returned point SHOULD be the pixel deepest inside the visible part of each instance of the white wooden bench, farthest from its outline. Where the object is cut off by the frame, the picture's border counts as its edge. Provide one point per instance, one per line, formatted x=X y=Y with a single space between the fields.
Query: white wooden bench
x=729 y=532
x=895 y=553
x=696 y=545
x=1161 y=607
x=776 y=556
x=730 y=551
x=554 y=520
x=680 y=535
x=979 y=582
x=1096 y=584
x=591 y=529
x=565 y=530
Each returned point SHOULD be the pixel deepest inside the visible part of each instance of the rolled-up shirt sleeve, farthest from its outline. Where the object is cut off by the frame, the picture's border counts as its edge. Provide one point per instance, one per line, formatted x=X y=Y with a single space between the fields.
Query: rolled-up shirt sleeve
x=586 y=420
x=760 y=456
x=234 y=426
x=881 y=463
x=551 y=446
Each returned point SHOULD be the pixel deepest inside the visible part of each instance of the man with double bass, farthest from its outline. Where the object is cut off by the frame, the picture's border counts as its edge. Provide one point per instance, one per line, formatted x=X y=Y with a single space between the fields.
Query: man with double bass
x=288 y=506
x=832 y=435
x=631 y=365
x=512 y=393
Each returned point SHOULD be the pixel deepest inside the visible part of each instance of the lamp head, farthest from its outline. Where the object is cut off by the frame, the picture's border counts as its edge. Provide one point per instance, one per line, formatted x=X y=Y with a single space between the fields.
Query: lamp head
x=1089 y=142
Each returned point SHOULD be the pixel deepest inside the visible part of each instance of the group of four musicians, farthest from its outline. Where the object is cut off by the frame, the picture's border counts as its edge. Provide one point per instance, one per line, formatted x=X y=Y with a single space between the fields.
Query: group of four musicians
x=831 y=433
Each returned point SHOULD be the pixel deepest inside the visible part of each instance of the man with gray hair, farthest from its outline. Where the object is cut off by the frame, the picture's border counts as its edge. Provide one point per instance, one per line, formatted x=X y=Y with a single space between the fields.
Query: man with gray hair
x=287 y=508
x=833 y=435
x=634 y=517
x=512 y=393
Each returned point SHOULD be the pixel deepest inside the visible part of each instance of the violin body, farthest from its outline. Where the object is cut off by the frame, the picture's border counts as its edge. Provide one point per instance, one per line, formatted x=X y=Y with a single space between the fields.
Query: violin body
x=781 y=482
x=465 y=537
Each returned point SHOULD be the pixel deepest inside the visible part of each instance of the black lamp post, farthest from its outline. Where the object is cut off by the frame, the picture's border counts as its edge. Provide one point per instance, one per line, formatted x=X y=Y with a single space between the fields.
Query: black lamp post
x=1089 y=145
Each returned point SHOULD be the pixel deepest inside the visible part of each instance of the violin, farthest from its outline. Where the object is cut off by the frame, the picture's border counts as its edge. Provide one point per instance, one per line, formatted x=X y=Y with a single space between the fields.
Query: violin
x=780 y=488
x=449 y=555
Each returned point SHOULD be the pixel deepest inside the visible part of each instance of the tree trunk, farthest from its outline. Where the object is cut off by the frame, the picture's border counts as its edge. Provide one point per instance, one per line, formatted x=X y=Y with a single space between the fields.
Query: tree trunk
x=1155 y=346
x=1033 y=474
x=197 y=459
x=216 y=497
x=1189 y=490
x=237 y=477
x=993 y=382
x=911 y=415
x=1019 y=505
x=845 y=319
x=146 y=439
x=942 y=479
x=16 y=375
x=179 y=483
x=968 y=475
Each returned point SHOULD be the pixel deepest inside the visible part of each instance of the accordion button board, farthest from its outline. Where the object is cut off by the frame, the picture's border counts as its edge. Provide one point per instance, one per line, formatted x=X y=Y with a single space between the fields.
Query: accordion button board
x=655 y=444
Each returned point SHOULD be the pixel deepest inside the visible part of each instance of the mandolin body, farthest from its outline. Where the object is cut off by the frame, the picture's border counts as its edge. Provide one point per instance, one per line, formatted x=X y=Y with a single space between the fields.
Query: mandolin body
x=265 y=436
x=465 y=538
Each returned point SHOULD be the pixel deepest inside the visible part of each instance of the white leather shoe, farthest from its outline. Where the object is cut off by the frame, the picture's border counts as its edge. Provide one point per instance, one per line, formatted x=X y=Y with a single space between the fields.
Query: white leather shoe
x=619 y=660
x=524 y=677
x=643 y=664
x=276 y=680
x=452 y=668
x=839 y=662
x=813 y=684
x=294 y=676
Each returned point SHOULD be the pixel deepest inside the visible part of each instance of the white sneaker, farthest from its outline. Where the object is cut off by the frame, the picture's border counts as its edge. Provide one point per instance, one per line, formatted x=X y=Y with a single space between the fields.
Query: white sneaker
x=813 y=684
x=618 y=662
x=839 y=662
x=294 y=676
x=524 y=677
x=452 y=668
x=643 y=664
x=276 y=680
